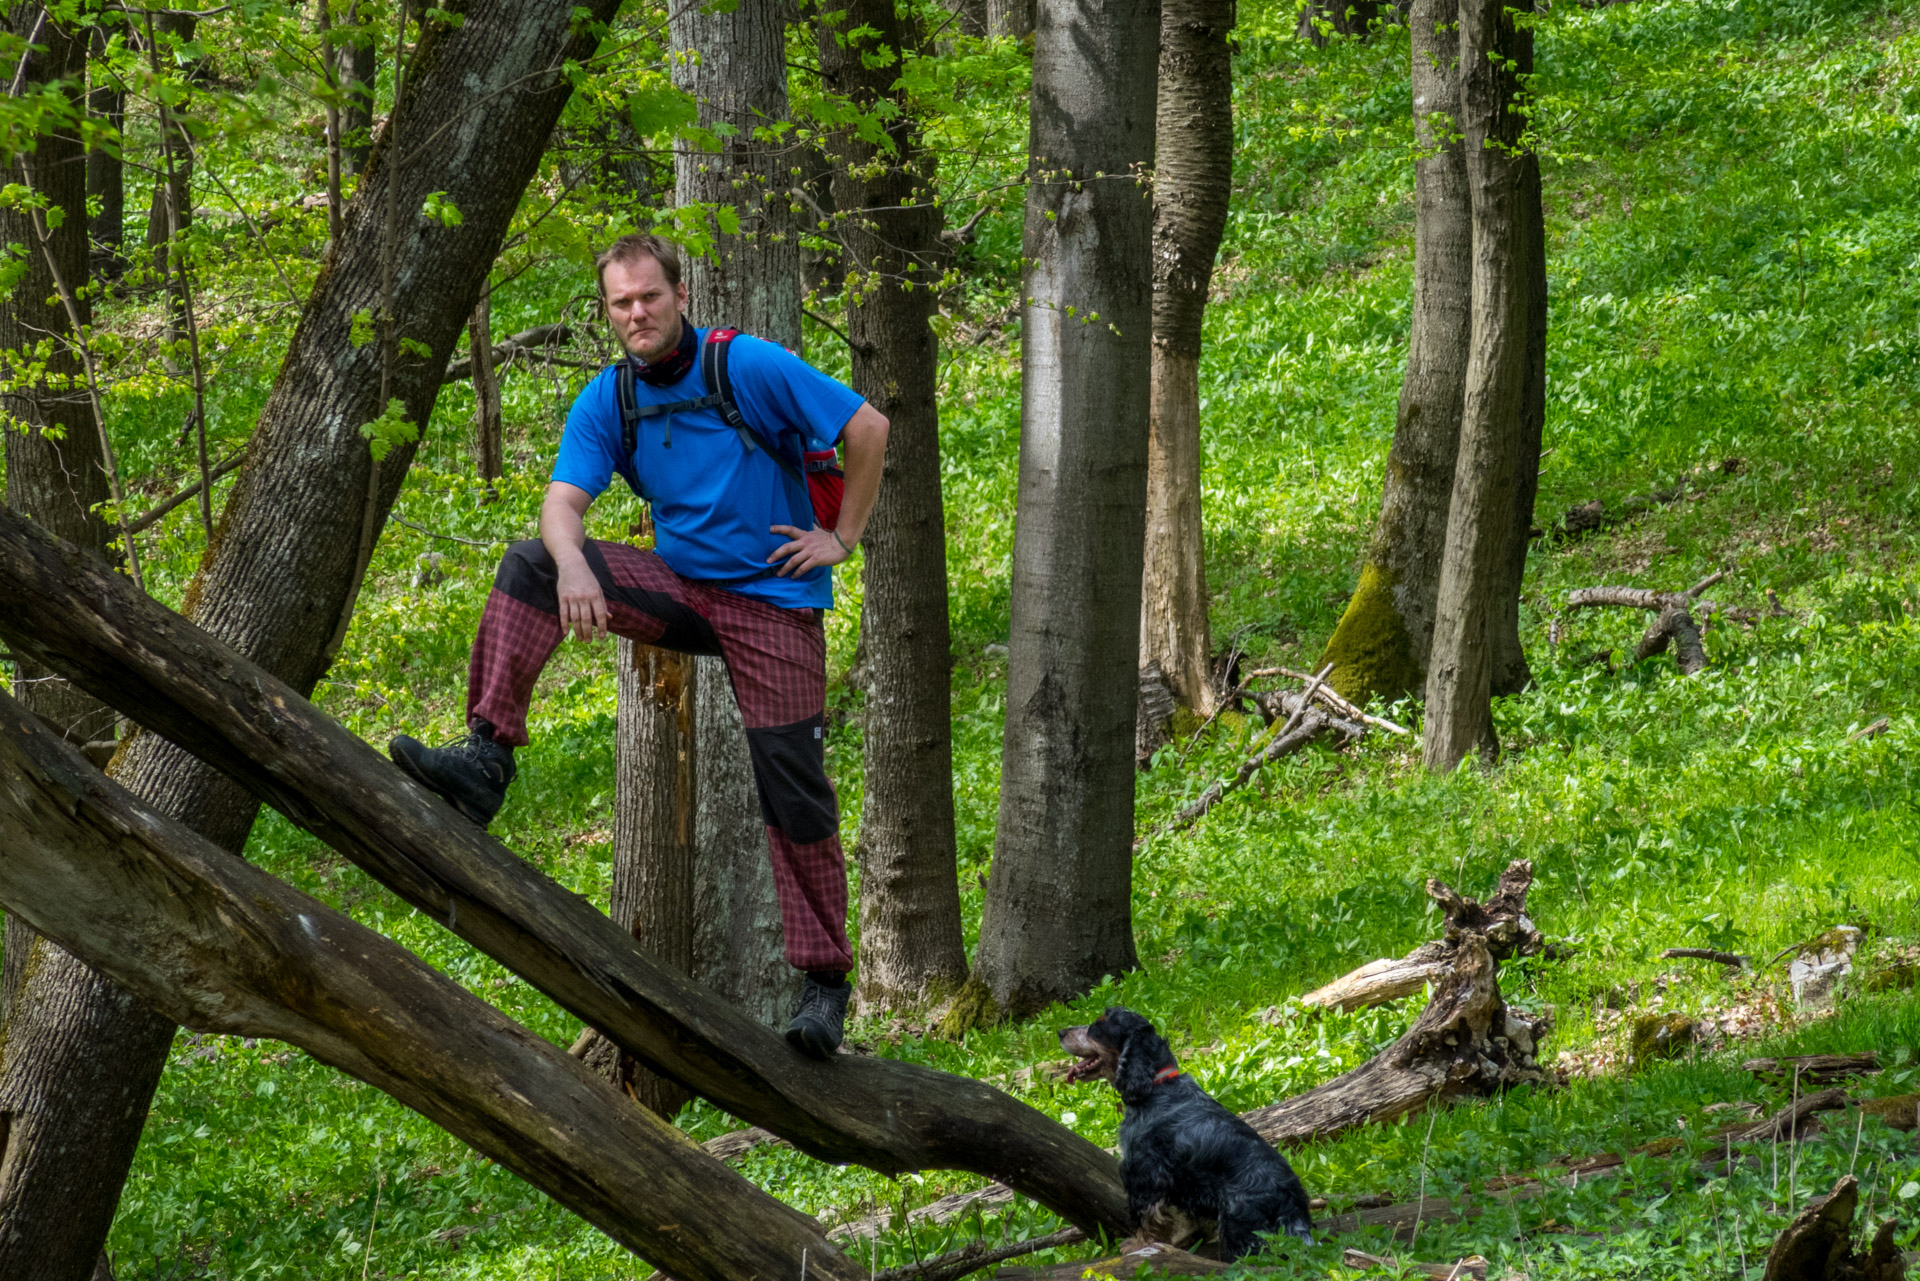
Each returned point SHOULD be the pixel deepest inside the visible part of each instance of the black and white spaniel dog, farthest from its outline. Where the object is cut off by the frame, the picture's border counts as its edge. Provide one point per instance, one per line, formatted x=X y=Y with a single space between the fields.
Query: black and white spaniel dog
x=1179 y=1149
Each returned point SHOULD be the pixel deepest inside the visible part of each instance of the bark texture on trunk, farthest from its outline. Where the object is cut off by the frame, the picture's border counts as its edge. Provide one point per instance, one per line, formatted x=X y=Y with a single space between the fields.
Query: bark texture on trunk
x=969 y=16
x=70 y=1135
x=1011 y=18
x=1495 y=57
x=179 y=681
x=106 y=176
x=284 y=559
x=736 y=70
x=1059 y=901
x=1380 y=648
x=654 y=837
x=226 y=948
x=1511 y=674
x=911 y=949
x=1193 y=180
x=487 y=427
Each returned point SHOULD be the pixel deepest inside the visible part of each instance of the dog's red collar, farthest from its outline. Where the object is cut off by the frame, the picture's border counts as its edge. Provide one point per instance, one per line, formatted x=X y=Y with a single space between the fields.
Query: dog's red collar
x=1165 y=1074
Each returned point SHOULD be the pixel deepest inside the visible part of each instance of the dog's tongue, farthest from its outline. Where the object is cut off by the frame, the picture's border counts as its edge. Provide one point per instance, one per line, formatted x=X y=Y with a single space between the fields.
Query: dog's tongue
x=1083 y=1068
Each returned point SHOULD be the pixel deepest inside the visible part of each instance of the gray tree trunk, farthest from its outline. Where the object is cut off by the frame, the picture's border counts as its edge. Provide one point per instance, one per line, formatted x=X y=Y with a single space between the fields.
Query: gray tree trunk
x=1511 y=674
x=911 y=949
x=283 y=565
x=1477 y=563
x=1011 y=18
x=1380 y=648
x=1193 y=180
x=738 y=76
x=1059 y=901
x=58 y=480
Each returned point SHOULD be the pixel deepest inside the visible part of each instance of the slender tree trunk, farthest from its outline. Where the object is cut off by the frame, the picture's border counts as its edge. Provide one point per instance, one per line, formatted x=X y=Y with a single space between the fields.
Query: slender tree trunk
x=56 y=475
x=1380 y=648
x=360 y=68
x=1193 y=180
x=81 y=1058
x=1059 y=908
x=654 y=830
x=1511 y=673
x=106 y=176
x=487 y=427
x=911 y=949
x=1476 y=564
x=1011 y=18
x=176 y=183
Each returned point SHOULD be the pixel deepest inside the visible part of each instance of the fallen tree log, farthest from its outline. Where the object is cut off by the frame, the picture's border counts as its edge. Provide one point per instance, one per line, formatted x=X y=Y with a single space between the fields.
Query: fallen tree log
x=1674 y=624
x=70 y=611
x=1816 y=1069
x=220 y=946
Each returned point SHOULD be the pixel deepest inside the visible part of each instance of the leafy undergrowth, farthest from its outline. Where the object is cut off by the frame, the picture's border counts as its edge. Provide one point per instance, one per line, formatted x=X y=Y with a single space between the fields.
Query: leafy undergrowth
x=1733 y=278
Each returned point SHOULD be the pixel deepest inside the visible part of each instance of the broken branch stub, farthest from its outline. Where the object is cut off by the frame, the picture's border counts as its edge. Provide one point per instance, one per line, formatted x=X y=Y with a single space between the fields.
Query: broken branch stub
x=71 y=612
x=1501 y=921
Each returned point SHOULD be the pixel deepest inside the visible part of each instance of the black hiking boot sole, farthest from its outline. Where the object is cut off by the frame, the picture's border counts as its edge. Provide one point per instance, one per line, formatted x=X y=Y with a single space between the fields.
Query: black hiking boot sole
x=805 y=1038
x=405 y=762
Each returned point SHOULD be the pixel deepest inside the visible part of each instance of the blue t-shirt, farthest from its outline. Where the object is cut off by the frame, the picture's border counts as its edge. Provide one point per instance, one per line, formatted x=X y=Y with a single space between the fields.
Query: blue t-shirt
x=714 y=501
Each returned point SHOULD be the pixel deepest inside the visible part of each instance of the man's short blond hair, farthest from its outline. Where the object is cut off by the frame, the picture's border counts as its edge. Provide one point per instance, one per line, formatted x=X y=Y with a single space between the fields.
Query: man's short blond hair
x=631 y=249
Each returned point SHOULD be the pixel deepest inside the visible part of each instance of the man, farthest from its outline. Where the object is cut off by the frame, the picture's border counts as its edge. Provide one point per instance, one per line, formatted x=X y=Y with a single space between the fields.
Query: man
x=735 y=571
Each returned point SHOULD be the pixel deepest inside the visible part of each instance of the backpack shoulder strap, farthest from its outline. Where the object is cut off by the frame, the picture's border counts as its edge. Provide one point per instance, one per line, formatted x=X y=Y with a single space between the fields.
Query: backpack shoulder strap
x=713 y=369
x=623 y=397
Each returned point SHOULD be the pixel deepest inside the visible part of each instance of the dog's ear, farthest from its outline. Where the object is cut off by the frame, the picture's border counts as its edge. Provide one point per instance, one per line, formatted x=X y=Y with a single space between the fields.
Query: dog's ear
x=1141 y=1058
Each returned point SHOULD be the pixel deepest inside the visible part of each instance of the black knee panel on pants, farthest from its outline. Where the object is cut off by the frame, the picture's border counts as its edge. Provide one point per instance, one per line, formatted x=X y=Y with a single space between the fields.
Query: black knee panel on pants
x=527 y=574
x=790 y=765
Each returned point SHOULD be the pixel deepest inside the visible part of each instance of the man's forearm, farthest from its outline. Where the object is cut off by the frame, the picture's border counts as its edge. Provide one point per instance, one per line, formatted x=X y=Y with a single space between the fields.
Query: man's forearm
x=866 y=445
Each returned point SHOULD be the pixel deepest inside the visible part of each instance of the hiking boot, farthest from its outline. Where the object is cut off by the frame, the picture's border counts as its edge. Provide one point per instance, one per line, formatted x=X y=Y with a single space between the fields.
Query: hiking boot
x=471 y=773
x=820 y=1024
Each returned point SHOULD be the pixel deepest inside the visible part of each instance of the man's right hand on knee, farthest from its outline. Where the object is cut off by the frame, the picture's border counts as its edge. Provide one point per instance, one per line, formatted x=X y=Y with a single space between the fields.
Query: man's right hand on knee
x=583 y=606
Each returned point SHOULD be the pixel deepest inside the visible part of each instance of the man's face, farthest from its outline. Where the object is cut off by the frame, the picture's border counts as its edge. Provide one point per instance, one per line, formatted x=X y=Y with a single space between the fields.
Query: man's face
x=643 y=308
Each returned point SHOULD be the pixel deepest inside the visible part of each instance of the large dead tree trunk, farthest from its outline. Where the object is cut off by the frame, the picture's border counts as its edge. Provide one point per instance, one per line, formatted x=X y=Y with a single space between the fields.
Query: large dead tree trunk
x=1380 y=648
x=223 y=947
x=654 y=837
x=735 y=67
x=286 y=560
x=1467 y=1041
x=911 y=950
x=1193 y=177
x=1059 y=915
x=1496 y=57
x=178 y=681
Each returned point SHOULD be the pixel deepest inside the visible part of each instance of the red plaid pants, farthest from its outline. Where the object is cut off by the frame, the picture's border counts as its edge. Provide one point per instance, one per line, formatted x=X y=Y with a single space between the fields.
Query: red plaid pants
x=776 y=659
